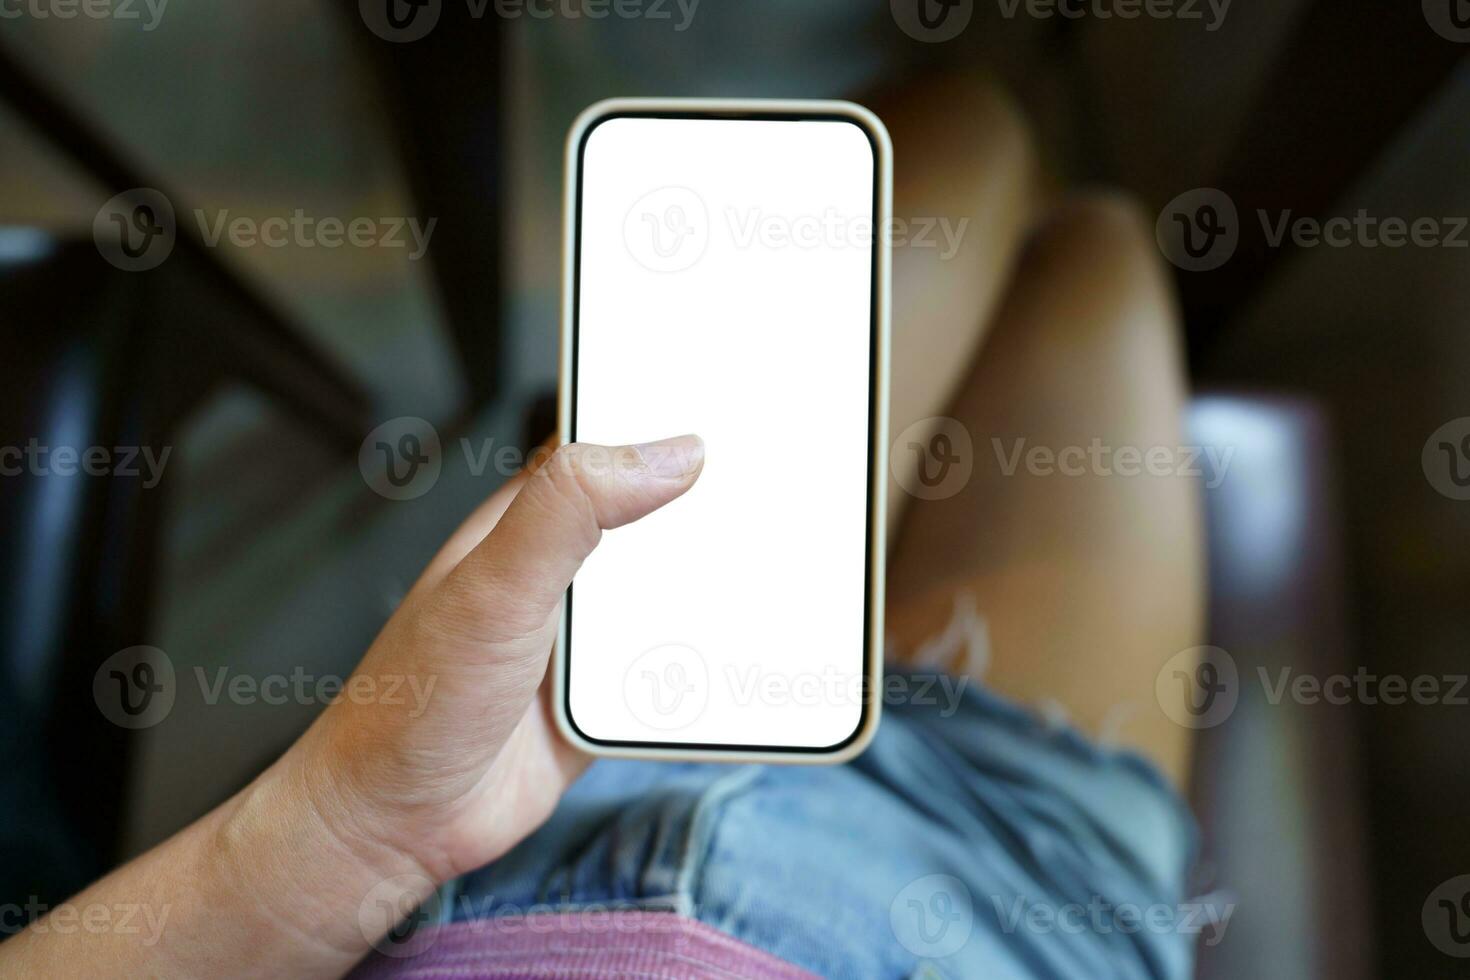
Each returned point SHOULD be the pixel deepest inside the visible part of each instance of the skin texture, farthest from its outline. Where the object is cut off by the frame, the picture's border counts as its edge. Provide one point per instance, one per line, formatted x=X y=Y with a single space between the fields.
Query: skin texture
x=986 y=186
x=1052 y=322
x=373 y=805
x=1088 y=583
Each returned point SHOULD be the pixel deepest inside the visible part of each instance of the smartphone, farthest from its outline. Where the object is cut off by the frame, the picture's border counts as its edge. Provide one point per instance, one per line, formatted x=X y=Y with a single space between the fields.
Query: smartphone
x=727 y=274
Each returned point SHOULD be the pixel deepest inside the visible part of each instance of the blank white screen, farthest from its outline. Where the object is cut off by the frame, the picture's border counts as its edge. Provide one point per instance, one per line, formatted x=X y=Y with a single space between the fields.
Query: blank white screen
x=726 y=290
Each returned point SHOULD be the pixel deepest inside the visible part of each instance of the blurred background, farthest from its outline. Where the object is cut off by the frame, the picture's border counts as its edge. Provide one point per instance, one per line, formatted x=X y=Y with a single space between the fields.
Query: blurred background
x=250 y=361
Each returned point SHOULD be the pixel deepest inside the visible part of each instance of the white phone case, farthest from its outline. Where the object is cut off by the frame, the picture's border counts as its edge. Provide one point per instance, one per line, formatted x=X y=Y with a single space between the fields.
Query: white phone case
x=716 y=108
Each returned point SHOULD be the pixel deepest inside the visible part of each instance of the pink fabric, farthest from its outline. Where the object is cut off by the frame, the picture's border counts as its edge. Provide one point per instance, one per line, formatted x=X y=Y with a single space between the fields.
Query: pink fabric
x=577 y=944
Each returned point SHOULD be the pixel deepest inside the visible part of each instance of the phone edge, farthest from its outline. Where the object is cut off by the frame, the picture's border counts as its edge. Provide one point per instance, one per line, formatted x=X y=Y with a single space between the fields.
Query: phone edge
x=878 y=492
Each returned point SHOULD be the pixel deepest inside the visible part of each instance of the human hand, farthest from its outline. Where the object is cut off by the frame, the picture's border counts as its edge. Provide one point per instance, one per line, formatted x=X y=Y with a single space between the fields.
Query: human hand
x=482 y=765
x=382 y=799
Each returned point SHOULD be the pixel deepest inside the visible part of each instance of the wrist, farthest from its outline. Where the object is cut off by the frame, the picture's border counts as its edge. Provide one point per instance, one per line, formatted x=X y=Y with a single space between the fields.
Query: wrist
x=307 y=860
x=352 y=770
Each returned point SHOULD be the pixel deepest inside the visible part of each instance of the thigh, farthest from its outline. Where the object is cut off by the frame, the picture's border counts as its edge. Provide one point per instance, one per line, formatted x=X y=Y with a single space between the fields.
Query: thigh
x=966 y=191
x=1086 y=566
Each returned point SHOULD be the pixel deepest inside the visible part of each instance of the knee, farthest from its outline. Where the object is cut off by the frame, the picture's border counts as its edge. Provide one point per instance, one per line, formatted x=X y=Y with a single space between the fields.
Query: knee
x=1104 y=244
x=1118 y=290
x=1108 y=228
x=989 y=124
x=959 y=132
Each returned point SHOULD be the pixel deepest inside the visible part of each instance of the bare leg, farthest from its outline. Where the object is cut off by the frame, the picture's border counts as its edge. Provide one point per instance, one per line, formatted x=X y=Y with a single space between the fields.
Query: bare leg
x=966 y=194
x=1088 y=583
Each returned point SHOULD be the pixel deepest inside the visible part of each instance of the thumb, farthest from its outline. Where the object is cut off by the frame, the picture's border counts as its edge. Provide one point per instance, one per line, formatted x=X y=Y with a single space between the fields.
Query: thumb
x=501 y=598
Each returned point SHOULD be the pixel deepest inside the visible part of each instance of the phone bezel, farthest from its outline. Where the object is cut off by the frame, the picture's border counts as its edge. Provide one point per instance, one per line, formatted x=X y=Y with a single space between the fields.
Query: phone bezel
x=877 y=135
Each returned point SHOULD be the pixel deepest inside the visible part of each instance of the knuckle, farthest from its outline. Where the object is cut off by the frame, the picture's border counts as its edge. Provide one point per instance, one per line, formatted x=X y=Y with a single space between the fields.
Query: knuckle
x=481 y=609
x=567 y=490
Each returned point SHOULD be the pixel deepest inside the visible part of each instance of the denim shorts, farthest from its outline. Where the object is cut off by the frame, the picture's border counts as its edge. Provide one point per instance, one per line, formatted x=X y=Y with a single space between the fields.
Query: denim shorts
x=972 y=839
